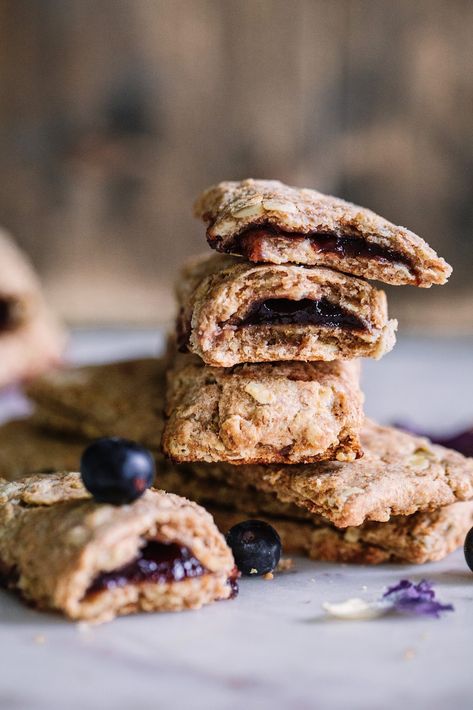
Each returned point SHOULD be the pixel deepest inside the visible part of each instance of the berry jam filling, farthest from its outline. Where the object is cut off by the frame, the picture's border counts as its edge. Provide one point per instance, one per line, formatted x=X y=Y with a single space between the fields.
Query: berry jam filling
x=158 y=562
x=233 y=582
x=283 y=311
x=249 y=244
x=5 y=314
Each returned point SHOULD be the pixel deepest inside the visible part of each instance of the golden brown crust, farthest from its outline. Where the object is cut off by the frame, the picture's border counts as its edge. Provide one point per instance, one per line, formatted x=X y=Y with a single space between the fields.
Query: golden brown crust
x=263 y=413
x=117 y=399
x=418 y=538
x=216 y=295
x=399 y=474
x=31 y=340
x=55 y=541
x=415 y=539
x=232 y=208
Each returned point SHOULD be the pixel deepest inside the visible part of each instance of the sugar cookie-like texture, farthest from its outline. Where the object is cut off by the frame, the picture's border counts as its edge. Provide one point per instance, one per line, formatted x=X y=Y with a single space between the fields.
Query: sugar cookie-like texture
x=116 y=399
x=287 y=412
x=267 y=221
x=31 y=339
x=399 y=474
x=233 y=312
x=418 y=538
x=61 y=550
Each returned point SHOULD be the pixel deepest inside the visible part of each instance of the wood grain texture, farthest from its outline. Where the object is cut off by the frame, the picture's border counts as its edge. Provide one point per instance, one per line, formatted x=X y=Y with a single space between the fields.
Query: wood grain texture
x=116 y=113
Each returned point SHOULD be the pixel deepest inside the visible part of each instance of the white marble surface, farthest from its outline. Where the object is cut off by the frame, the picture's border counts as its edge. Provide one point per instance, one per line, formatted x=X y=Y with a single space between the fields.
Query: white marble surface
x=270 y=648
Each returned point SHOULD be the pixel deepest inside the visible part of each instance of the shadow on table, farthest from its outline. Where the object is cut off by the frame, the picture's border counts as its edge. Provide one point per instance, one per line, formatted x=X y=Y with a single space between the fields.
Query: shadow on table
x=14 y=611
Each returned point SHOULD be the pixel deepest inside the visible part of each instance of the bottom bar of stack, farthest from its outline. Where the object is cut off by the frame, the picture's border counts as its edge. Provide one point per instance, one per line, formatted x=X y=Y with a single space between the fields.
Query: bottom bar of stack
x=414 y=539
x=405 y=501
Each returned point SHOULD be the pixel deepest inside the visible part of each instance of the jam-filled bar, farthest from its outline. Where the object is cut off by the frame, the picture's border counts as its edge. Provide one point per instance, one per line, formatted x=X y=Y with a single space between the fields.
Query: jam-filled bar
x=399 y=474
x=115 y=399
x=63 y=551
x=285 y=412
x=30 y=338
x=233 y=312
x=415 y=539
x=267 y=221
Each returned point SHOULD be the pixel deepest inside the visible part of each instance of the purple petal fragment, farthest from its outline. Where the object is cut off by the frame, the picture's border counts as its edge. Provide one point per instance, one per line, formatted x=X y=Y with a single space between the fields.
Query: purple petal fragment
x=410 y=598
x=461 y=441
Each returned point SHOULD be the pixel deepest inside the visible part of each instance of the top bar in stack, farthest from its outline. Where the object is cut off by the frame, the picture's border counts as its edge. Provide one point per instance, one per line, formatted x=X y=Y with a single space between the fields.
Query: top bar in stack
x=267 y=221
x=233 y=312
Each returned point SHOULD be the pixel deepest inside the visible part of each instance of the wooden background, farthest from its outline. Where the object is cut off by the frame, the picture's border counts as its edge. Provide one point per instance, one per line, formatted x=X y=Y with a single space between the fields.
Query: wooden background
x=114 y=114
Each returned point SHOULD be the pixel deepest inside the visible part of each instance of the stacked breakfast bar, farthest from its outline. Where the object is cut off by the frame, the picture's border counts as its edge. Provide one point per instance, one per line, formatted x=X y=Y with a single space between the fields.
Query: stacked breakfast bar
x=263 y=405
x=256 y=411
x=264 y=410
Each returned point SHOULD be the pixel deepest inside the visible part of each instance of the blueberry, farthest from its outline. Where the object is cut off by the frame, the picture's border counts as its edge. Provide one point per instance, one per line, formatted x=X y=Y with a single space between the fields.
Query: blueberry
x=256 y=547
x=116 y=470
x=468 y=549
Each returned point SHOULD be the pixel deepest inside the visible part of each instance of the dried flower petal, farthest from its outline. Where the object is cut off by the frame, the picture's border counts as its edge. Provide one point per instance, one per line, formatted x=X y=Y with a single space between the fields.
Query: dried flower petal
x=410 y=598
x=405 y=597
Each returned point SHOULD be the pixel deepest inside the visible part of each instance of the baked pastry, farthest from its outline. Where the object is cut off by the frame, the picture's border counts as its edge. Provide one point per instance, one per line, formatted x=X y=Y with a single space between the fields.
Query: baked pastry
x=284 y=412
x=415 y=539
x=61 y=550
x=116 y=399
x=31 y=340
x=267 y=221
x=26 y=448
x=399 y=474
x=412 y=539
x=233 y=312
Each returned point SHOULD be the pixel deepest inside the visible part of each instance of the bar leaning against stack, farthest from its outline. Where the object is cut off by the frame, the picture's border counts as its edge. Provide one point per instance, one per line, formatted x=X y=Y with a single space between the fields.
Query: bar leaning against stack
x=270 y=333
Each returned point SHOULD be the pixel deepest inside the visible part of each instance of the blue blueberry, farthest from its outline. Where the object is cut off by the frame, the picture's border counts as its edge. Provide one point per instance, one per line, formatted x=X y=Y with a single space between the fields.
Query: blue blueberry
x=256 y=547
x=468 y=549
x=116 y=470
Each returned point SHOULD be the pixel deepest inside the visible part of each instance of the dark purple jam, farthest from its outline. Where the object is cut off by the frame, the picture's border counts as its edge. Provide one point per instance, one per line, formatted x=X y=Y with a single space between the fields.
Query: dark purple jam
x=5 y=314
x=233 y=582
x=158 y=562
x=283 y=311
x=248 y=244
x=353 y=247
x=234 y=587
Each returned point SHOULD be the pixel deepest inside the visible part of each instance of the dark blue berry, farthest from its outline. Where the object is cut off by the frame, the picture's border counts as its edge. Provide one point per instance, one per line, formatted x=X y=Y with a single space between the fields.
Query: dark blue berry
x=468 y=549
x=116 y=470
x=256 y=547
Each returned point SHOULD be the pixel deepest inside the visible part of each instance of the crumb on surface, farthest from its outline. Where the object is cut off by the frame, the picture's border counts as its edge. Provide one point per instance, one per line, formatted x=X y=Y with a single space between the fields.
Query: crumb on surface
x=39 y=639
x=409 y=654
x=83 y=627
x=268 y=576
x=285 y=564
